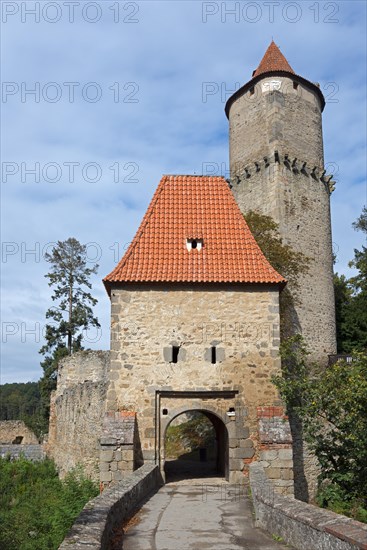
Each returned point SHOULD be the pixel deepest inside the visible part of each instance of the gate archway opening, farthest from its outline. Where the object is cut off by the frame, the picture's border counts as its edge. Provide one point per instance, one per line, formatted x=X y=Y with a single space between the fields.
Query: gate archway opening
x=195 y=446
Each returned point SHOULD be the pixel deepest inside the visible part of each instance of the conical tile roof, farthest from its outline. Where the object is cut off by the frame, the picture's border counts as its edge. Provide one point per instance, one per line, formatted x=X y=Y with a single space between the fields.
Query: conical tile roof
x=273 y=60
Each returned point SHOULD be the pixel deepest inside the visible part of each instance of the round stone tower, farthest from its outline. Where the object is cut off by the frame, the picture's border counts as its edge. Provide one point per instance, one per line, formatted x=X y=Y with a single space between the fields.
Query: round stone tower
x=277 y=169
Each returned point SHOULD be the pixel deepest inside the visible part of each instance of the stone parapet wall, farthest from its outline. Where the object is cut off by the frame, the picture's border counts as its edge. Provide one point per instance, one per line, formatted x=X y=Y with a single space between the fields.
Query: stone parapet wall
x=15 y=431
x=101 y=516
x=301 y=525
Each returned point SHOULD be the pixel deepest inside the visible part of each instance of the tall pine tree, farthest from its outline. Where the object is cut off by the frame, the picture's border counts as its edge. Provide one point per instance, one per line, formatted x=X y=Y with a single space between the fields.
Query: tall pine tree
x=69 y=277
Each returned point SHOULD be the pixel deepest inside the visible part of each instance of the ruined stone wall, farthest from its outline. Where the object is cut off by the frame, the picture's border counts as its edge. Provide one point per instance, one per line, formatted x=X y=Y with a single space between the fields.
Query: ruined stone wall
x=15 y=431
x=242 y=322
x=30 y=452
x=77 y=412
x=87 y=365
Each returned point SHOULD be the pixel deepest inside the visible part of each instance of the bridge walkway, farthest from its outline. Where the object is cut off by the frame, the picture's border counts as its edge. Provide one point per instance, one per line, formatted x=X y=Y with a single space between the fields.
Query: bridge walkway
x=197 y=514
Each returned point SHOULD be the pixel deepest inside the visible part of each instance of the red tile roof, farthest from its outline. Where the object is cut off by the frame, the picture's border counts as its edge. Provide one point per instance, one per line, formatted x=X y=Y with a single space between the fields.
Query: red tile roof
x=273 y=60
x=193 y=207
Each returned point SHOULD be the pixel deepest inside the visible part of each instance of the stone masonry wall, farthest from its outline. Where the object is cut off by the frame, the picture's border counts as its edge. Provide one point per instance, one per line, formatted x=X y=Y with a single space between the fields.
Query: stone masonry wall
x=87 y=365
x=300 y=525
x=276 y=455
x=300 y=205
x=241 y=321
x=284 y=119
x=15 y=431
x=77 y=412
x=30 y=452
x=119 y=448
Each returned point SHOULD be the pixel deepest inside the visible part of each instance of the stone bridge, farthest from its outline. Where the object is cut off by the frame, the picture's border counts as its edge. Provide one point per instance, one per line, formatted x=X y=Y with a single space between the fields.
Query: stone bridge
x=140 y=513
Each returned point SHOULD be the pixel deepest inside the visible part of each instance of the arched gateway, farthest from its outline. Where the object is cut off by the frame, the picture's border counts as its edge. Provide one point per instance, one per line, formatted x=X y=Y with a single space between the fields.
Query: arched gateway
x=221 y=427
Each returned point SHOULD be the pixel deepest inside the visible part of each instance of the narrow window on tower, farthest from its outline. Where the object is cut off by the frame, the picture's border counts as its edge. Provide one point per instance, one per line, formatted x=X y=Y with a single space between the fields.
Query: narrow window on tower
x=252 y=90
x=214 y=355
x=295 y=85
x=175 y=352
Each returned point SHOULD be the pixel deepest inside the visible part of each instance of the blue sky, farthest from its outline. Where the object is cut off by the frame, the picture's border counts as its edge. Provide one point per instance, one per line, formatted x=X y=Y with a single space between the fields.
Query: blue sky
x=118 y=101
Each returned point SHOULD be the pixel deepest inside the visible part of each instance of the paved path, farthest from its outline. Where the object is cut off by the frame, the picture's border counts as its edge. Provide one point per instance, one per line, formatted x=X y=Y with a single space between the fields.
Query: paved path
x=197 y=515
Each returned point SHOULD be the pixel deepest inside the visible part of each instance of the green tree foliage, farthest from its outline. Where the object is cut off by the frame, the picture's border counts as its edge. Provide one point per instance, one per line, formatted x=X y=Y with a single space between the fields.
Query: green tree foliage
x=351 y=299
x=20 y=401
x=359 y=282
x=332 y=404
x=189 y=436
x=69 y=277
x=36 y=508
x=282 y=257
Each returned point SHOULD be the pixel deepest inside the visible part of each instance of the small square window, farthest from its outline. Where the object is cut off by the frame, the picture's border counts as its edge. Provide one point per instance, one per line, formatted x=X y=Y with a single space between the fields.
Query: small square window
x=194 y=244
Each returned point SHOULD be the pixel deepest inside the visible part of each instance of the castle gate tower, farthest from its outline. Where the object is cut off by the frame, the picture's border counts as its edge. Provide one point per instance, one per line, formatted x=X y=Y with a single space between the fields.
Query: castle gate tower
x=195 y=327
x=277 y=169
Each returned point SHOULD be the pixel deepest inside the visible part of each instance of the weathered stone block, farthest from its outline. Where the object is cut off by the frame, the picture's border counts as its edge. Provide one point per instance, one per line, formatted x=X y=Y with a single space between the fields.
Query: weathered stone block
x=247 y=452
x=269 y=455
x=123 y=465
x=286 y=473
x=106 y=456
x=285 y=454
x=128 y=455
x=246 y=443
x=273 y=473
x=242 y=433
x=105 y=476
x=236 y=464
x=117 y=475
